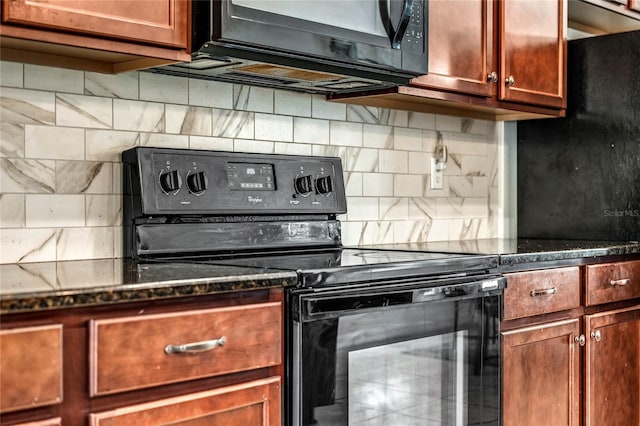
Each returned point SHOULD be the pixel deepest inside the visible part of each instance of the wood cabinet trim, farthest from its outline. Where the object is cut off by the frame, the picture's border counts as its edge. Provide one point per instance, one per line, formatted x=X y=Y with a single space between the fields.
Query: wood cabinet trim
x=25 y=362
x=49 y=422
x=263 y=391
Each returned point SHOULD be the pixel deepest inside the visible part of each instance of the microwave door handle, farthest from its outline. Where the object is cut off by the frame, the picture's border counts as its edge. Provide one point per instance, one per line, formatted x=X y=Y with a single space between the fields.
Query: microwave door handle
x=407 y=10
x=383 y=6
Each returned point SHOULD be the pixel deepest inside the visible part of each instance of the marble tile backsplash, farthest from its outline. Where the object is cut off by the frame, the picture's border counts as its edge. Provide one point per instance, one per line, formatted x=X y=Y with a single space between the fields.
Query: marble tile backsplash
x=62 y=133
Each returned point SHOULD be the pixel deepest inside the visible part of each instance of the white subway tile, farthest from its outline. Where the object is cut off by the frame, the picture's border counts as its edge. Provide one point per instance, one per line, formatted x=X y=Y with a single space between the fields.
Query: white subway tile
x=361 y=160
x=11 y=140
x=475 y=208
x=474 y=165
x=138 y=115
x=104 y=210
x=246 y=145
x=210 y=143
x=11 y=74
x=353 y=184
x=12 y=211
x=408 y=185
x=351 y=232
x=274 y=127
x=411 y=231
x=362 y=114
x=345 y=134
x=394 y=208
x=123 y=85
x=480 y=186
x=429 y=140
x=449 y=208
x=188 y=120
x=233 y=124
x=394 y=117
x=19 y=106
x=460 y=186
x=321 y=108
x=117 y=178
x=53 y=79
x=84 y=177
x=459 y=143
x=27 y=176
x=407 y=139
x=477 y=127
x=464 y=229
x=54 y=143
x=377 y=136
x=377 y=184
x=54 y=210
x=439 y=230
x=163 y=88
x=117 y=244
x=330 y=151
x=374 y=232
x=27 y=245
x=84 y=111
x=454 y=165
x=309 y=130
x=422 y=208
x=210 y=93
x=362 y=208
x=256 y=99
x=448 y=123
x=292 y=103
x=163 y=140
x=292 y=148
x=106 y=145
x=420 y=120
x=393 y=161
x=85 y=243
x=419 y=162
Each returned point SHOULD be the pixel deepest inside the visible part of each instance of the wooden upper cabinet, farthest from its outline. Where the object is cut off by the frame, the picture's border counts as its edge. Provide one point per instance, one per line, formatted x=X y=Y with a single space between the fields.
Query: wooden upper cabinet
x=461 y=47
x=612 y=368
x=155 y=22
x=533 y=52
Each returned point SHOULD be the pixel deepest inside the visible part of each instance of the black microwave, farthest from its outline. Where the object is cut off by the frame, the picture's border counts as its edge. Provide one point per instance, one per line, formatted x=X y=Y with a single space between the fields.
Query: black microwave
x=317 y=46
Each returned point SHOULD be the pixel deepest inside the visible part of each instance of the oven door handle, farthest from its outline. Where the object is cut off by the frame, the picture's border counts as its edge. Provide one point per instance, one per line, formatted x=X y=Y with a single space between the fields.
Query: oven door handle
x=339 y=303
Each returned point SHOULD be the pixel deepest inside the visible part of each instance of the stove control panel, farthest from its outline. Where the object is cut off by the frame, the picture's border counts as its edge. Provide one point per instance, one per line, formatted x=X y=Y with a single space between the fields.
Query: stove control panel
x=175 y=181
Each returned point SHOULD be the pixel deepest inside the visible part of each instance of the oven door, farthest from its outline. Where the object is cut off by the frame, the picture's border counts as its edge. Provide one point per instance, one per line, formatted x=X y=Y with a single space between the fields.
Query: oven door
x=418 y=353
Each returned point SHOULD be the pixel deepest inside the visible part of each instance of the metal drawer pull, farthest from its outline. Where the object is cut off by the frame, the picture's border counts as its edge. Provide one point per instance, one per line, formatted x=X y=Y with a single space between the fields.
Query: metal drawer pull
x=544 y=292
x=624 y=281
x=195 y=347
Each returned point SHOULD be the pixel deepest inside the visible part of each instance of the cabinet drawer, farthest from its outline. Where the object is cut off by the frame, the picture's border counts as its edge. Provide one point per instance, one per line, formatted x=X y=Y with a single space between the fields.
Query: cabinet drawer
x=254 y=403
x=49 y=422
x=138 y=352
x=612 y=282
x=540 y=292
x=30 y=367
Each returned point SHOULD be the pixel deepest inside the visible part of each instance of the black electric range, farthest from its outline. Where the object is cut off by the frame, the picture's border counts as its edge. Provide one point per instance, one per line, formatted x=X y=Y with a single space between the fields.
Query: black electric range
x=280 y=212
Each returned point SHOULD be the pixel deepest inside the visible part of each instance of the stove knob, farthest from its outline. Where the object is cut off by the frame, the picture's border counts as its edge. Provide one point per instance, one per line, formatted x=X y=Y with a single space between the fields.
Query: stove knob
x=324 y=185
x=303 y=185
x=197 y=183
x=170 y=181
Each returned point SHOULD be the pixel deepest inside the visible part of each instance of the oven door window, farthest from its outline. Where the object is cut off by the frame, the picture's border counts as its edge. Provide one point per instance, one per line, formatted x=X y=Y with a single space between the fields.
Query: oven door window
x=420 y=364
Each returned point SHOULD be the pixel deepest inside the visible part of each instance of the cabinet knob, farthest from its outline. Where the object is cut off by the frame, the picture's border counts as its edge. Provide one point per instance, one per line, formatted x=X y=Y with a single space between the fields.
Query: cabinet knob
x=492 y=77
x=596 y=335
x=581 y=340
x=511 y=81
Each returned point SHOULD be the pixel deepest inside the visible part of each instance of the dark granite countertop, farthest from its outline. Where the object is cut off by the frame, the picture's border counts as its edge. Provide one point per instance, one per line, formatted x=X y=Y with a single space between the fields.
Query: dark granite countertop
x=51 y=285
x=521 y=251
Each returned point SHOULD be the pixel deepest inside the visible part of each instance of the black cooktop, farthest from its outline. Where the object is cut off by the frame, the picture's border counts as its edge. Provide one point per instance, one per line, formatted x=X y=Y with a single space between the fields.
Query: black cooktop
x=353 y=265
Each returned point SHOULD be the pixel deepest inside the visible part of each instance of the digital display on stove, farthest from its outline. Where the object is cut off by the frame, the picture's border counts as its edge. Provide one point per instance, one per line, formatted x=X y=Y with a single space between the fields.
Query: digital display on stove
x=251 y=177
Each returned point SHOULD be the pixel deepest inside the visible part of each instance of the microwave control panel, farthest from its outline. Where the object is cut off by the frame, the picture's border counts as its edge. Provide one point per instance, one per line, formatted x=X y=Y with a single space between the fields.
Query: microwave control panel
x=173 y=181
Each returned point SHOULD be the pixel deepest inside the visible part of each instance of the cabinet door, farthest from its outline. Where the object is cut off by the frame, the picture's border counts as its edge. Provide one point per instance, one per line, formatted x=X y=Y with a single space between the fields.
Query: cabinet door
x=533 y=52
x=158 y=22
x=461 y=47
x=541 y=375
x=255 y=403
x=612 y=368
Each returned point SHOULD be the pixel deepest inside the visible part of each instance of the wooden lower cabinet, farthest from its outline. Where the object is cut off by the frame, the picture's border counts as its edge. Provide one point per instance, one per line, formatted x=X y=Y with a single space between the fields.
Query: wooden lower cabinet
x=612 y=368
x=541 y=375
x=256 y=403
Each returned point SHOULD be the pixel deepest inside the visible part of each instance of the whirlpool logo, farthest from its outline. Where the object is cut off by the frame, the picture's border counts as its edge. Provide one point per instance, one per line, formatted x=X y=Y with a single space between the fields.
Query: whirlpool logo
x=254 y=200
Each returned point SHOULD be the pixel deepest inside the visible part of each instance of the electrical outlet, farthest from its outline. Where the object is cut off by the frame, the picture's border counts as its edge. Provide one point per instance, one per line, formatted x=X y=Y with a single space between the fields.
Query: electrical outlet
x=437 y=176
